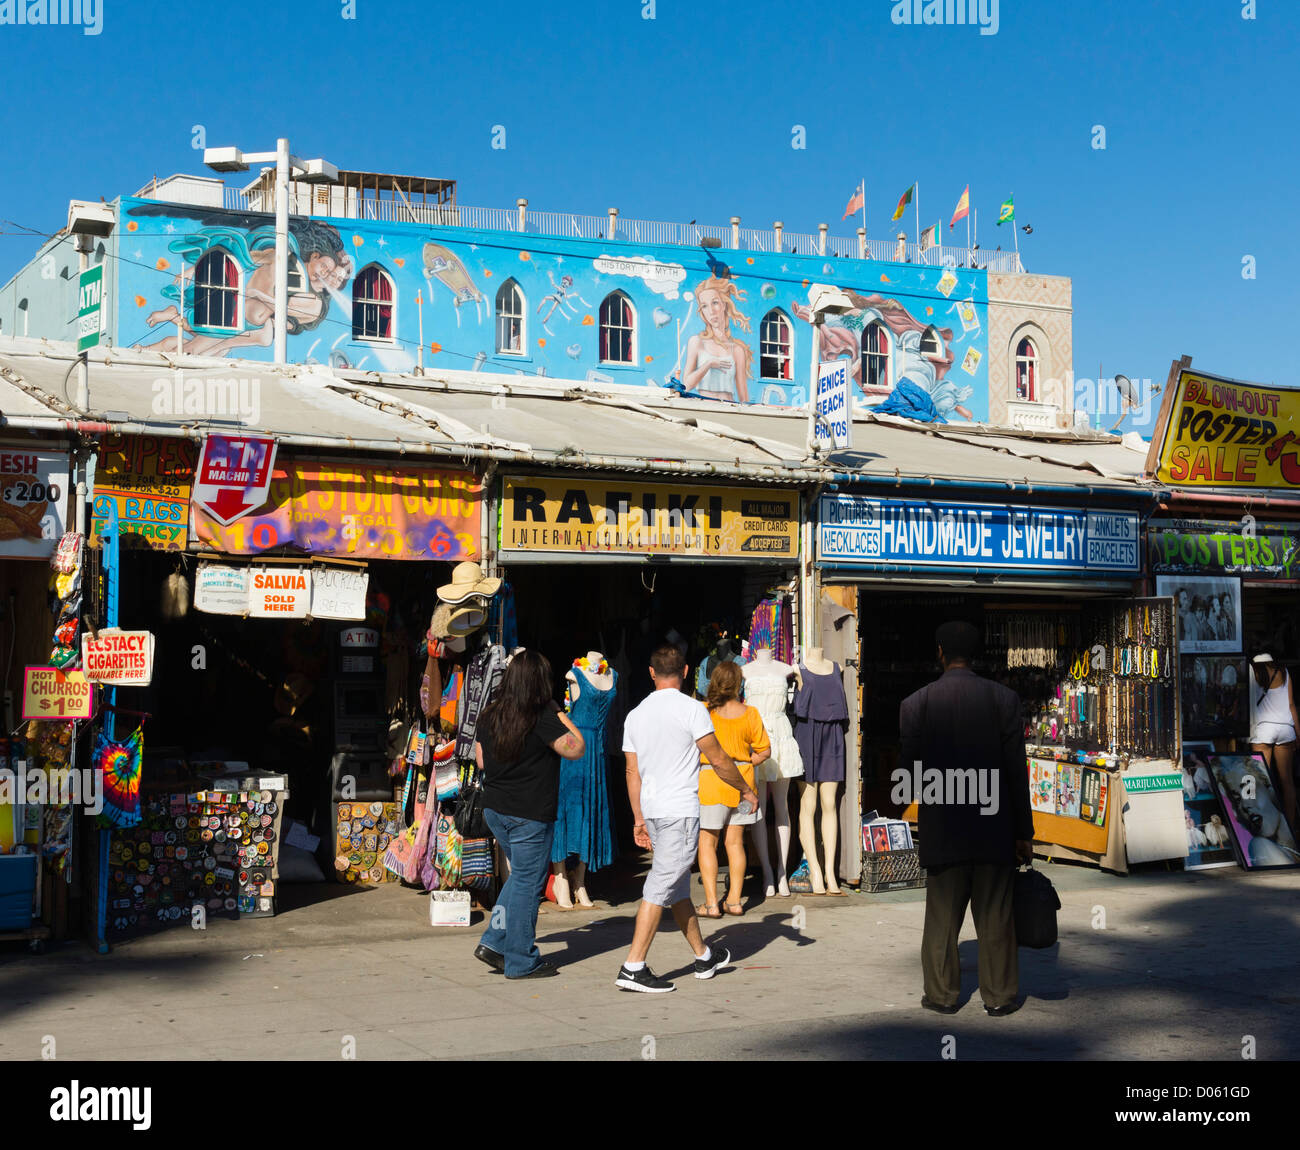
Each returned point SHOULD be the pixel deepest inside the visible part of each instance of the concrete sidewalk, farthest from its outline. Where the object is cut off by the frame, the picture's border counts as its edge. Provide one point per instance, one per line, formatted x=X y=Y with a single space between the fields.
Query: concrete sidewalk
x=1153 y=966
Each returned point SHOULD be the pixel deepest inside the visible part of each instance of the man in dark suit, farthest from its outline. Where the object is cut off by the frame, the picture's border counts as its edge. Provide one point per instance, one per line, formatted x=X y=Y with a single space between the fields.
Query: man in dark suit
x=975 y=820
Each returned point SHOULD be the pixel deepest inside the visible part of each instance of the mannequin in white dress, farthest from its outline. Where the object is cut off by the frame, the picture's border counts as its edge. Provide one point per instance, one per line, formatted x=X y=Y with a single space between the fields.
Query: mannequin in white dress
x=766 y=680
x=566 y=893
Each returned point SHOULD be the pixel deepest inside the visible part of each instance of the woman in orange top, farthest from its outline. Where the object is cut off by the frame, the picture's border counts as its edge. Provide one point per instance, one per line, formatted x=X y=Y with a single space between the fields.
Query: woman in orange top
x=740 y=731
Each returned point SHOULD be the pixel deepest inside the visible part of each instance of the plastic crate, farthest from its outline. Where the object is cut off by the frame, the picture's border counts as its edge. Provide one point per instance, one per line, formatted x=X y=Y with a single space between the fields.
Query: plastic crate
x=17 y=891
x=892 y=870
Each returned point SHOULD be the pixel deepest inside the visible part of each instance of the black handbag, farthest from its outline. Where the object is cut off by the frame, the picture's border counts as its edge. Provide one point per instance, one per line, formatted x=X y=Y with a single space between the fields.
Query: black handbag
x=1036 y=902
x=469 y=809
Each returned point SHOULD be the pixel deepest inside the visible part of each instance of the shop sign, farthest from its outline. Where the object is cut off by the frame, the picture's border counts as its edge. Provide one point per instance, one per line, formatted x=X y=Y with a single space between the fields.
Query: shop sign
x=117 y=658
x=221 y=589
x=1150 y=784
x=1217 y=432
x=832 y=410
x=49 y=693
x=279 y=592
x=33 y=489
x=880 y=532
x=234 y=475
x=148 y=478
x=357 y=511
x=1192 y=547
x=613 y=517
x=355 y=637
x=338 y=593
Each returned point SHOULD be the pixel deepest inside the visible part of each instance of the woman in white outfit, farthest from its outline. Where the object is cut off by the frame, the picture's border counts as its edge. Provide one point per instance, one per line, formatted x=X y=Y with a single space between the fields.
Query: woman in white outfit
x=1273 y=725
x=766 y=683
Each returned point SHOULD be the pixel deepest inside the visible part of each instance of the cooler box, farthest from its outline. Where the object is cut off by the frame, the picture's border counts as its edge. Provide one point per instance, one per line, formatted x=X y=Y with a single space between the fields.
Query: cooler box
x=17 y=891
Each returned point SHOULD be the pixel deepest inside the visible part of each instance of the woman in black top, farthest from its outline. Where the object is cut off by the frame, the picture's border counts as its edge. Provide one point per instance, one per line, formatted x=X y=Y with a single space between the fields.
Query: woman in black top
x=522 y=736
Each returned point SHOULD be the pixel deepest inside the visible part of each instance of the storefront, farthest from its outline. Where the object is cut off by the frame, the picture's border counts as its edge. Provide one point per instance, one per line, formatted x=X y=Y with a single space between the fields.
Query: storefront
x=612 y=566
x=1051 y=583
x=1226 y=548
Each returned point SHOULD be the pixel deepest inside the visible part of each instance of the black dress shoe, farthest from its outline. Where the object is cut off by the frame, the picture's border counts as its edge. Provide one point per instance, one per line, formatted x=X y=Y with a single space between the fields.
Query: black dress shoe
x=541 y=970
x=1002 y=1011
x=486 y=954
x=938 y=1007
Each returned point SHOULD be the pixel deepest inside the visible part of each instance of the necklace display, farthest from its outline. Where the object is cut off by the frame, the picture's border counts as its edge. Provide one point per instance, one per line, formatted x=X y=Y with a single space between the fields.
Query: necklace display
x=582 y=663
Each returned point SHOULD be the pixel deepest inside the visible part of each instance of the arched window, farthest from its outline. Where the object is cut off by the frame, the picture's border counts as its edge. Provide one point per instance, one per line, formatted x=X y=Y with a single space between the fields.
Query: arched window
x=1027 y=371
x=372 y=304
x=510 y=319
x=930 y=343
x=875 y=356
x=216 y=291
x=776 y=346
x=617 y=329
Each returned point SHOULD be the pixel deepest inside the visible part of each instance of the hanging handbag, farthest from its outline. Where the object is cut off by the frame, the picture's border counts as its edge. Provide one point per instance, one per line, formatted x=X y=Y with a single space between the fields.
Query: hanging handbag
x=449 y=848
x=1035 y=904
x=469 y=809
x=476 y=869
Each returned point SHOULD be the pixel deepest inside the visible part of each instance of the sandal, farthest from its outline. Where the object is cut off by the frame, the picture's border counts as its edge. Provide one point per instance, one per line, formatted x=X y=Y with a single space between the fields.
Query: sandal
x=703 y=910
x=733 y=908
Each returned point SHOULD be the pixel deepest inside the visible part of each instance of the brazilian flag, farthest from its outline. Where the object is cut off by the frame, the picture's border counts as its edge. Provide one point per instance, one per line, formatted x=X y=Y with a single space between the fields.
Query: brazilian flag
x=1007 y=213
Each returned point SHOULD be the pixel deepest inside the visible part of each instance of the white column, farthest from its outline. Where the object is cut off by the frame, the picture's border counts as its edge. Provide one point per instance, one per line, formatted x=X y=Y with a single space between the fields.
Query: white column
x=522 y=205
x=613 y=221
x=821 y=239
x=281 y=249
x=778 y=227
x=735 y=231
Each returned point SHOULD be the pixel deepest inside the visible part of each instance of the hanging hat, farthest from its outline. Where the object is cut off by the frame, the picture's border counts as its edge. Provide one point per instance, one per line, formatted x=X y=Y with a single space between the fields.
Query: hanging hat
x=1262 y=659
x=468 y=581
x=466 y=620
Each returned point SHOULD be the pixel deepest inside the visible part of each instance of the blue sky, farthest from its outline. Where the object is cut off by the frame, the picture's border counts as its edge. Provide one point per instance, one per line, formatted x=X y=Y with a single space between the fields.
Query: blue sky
x=690 y=115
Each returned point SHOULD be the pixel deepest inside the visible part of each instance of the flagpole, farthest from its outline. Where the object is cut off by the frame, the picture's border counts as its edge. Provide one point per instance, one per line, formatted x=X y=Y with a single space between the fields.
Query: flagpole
x=968 y=209
x=916 y=201
x=864 y=202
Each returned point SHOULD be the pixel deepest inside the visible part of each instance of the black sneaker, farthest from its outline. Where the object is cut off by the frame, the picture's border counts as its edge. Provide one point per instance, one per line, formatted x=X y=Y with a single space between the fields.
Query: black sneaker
x=541 y=970
x=707 y=968
x=644 y=980
x=486 y=954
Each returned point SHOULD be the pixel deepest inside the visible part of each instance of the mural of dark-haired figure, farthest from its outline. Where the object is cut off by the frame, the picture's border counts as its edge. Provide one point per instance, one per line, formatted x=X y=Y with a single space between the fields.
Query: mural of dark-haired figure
x=318 y=269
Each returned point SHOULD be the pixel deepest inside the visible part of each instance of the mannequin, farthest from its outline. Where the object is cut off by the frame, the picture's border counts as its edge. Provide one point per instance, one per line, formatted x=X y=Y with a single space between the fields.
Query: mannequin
x=726 y=650
x=821 y=713
x=582 y=827
x=766 y=680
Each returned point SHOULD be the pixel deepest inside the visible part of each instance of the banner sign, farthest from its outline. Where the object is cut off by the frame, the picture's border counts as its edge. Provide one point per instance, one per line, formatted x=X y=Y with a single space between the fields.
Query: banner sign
x=617 y=517
x=279 y=592
x=832 y=410
x=882 y=532
x=338 y=593
x=1222 y=433
x=49 y=693
x=117 y=658
x=1196 y=547
x=33 y=491
x=221 y=589
x=357 y=511
x=148 y=477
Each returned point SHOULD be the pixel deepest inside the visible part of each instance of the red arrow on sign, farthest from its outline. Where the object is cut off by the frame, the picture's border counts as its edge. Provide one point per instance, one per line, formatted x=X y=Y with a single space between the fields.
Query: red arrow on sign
x=233 y=476
x=228 y=506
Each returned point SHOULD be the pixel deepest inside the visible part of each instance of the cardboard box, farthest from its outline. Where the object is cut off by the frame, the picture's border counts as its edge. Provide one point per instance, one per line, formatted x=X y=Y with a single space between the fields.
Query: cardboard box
x=449 y=908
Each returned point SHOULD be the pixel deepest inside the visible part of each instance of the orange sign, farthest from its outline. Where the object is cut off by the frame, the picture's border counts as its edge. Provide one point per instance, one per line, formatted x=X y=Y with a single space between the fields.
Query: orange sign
x=358 y=511
x=49 y=693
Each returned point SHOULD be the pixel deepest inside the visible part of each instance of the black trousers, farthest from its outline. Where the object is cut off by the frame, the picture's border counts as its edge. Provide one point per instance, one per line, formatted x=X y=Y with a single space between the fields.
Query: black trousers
x=987 y=888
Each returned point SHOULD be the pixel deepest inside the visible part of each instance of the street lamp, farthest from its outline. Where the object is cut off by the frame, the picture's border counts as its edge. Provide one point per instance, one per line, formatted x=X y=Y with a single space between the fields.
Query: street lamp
x=309 y=172
x=823 y=300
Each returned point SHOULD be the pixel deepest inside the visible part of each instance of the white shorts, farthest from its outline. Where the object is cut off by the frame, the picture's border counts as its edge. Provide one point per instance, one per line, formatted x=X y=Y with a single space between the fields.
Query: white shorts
x=1270 y=734
x=715 y=816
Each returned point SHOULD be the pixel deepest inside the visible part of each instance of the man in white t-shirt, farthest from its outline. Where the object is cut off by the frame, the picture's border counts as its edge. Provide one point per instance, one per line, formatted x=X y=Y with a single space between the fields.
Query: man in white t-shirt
x=663 y=739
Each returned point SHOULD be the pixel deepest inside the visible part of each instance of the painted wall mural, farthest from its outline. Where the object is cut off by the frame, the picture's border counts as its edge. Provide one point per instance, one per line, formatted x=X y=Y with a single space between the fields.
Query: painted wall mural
x=719 y=324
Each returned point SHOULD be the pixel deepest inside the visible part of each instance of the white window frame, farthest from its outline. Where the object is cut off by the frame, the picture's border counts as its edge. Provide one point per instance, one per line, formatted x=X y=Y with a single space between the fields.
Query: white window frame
x=521 y=317
x=631 y=329
x=377 y=303
x=885 y=354
x=1035 y=360
x=237 y=290
x=933 y=333
x=784 y=358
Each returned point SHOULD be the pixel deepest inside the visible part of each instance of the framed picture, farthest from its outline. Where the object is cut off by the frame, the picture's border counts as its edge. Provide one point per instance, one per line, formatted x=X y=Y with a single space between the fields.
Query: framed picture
x=879 y=838
x=1042 y=785
x=900 y=836
x=1216 y=700
x=1253 y=812
x=1209 y=612
x=1067 y=791
x=1209 y=833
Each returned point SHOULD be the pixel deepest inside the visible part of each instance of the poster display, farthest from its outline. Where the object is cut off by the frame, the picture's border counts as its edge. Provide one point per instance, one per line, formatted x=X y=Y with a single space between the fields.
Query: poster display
x=33 y=493
x=358 y=511
x=1209 y=612
x=148 y=479
x=1216 y=701
x=117 y=658
x=617 y=517
x=1209 y=841
x=1219 y=432
x=1254 y=813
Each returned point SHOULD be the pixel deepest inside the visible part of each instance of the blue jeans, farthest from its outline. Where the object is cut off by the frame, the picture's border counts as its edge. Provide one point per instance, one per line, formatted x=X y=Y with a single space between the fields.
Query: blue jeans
x=512 y=930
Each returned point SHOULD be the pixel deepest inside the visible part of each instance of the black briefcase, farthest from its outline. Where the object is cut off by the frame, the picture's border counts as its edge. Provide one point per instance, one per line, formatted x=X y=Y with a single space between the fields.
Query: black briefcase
x=1036 y=903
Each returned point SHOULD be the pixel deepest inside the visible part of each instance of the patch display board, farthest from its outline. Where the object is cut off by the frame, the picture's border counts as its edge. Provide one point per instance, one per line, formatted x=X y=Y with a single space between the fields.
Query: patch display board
x=617 y=517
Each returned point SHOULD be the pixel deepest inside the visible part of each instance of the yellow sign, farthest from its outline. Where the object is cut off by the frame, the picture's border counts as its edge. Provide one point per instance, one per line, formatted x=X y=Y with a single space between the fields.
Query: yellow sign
x=616 y=517
x=1222 y=433
x=49 y=693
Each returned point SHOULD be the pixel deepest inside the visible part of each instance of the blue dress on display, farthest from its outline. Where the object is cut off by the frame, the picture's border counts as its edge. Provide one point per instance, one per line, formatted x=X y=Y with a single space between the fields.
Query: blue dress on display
x=582 y=822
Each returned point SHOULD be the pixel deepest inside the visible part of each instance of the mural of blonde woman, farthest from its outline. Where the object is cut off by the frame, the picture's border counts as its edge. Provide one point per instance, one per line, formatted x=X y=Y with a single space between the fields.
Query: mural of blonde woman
x=718 y=364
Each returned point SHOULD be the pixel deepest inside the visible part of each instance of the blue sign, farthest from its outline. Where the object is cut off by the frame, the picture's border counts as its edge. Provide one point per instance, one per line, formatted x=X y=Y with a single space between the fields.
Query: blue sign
x=887 y=532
